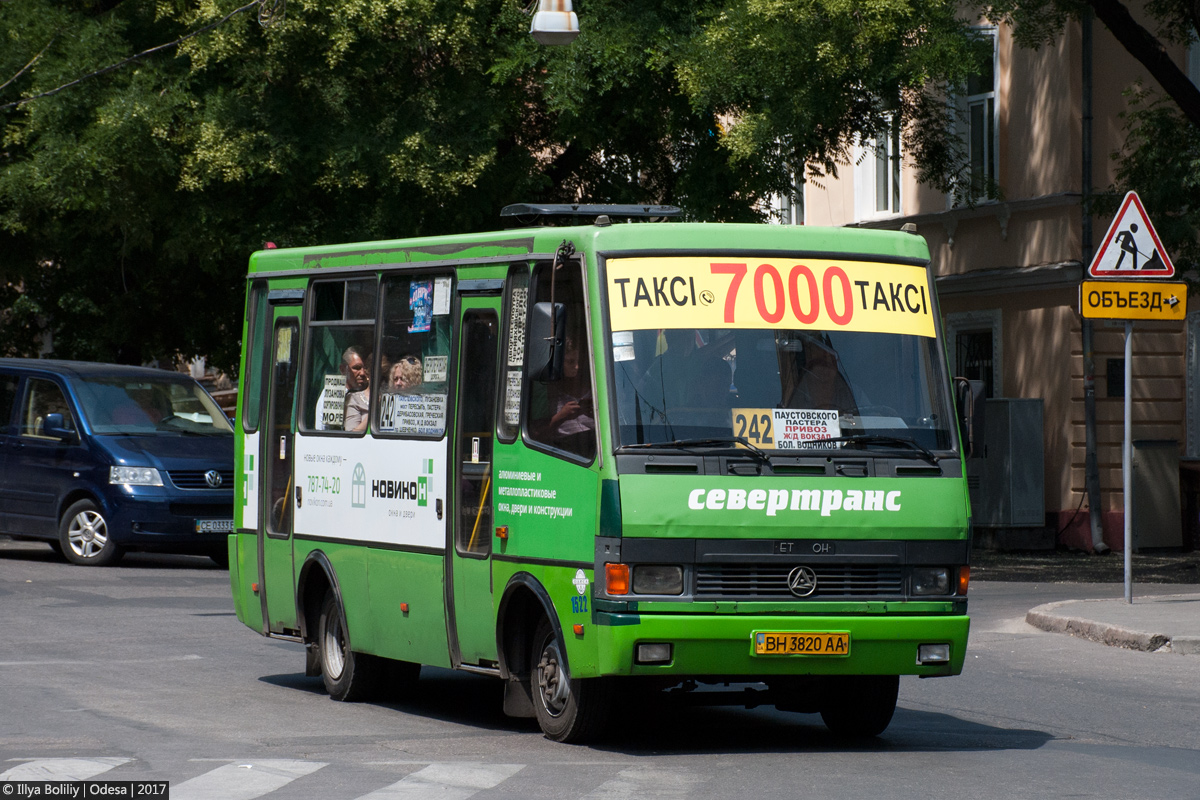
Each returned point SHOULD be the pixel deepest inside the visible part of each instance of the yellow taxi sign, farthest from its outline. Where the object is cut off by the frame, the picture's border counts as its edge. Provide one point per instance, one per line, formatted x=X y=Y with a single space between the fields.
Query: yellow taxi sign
x=787 y=293
x=1133 y=300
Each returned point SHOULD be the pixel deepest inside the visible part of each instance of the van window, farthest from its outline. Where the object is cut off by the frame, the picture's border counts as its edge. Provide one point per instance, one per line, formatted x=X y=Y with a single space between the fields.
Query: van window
x=43 y=397
x=8 y=396
x=140 y=405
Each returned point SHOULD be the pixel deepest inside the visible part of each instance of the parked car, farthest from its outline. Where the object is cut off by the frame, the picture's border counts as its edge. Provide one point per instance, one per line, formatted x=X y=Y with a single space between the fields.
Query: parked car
x=98 y=459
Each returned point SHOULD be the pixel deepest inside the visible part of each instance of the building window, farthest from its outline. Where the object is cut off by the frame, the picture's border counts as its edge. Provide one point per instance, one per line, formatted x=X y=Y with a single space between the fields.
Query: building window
x=976 y=108
x=877 y=176
x=1115 y=378
x=788 y=209
x=978 y=354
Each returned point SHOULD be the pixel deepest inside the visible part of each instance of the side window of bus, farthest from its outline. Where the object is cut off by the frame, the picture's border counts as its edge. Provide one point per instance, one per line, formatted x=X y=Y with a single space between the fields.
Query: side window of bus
x=258 y=321
x=341 y=342
x=414 y=356
x=561 y=413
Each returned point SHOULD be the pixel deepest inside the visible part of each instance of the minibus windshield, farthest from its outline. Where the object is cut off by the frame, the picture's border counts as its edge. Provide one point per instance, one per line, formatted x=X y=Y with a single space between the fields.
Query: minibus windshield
x=783 y=390
x=142 y=406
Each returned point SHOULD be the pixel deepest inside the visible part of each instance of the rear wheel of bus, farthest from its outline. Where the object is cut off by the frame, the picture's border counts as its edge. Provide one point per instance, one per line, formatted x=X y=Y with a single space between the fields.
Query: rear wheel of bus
x=860 y=705
x=567 y=710
x=348 y=675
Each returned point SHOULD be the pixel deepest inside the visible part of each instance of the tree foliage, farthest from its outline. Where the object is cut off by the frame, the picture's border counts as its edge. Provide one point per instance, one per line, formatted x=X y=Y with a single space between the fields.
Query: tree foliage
x=130 y=201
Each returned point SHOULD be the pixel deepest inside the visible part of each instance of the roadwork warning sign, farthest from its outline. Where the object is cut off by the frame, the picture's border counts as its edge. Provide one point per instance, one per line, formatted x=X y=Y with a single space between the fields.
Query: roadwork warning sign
x=1131 y=249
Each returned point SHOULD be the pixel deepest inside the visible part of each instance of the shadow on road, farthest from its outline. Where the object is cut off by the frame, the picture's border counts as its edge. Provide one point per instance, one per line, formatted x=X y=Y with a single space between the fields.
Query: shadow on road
x=662 y=726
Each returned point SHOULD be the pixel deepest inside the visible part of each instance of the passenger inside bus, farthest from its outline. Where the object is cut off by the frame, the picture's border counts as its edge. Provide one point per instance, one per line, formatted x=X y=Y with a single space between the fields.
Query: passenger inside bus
x=405 y=376
x=563 y=409
x=358 y=380
x=812 y=377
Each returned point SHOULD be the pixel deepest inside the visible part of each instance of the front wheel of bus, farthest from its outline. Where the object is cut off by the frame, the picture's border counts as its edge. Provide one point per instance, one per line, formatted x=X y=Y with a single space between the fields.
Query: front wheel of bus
x=567 y=710
x=860 y=706
x=348 y=676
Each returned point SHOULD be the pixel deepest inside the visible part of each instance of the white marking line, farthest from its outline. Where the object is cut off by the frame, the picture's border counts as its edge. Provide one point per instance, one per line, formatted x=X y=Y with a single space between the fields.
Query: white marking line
x=72 y=662
x=243 y=780
x=643 y=783
x=447 y=782
x=61 y=769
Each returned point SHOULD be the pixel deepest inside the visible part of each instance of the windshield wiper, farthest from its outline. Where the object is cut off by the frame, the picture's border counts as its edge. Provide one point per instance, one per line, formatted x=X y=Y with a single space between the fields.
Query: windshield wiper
x=874 y=438
x=709 y=442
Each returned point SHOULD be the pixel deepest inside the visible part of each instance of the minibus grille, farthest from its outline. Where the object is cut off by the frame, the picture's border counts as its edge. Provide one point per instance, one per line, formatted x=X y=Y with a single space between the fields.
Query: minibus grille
x=195 y=478
x=770 y=581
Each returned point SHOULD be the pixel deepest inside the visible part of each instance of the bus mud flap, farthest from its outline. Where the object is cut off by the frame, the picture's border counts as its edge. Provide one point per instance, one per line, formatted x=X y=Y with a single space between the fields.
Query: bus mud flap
x=518 y=702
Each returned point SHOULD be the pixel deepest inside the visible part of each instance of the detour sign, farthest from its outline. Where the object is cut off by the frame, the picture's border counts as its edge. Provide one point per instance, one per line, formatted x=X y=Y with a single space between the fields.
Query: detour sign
x=1133 y=300
x=786 y=293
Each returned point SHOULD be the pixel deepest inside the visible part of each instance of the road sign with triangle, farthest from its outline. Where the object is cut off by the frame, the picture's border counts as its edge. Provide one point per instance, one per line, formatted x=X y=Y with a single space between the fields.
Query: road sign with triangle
x=1131 y=249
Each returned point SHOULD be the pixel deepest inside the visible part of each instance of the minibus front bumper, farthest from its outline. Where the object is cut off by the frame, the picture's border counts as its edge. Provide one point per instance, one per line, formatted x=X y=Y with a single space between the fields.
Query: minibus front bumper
x=724 y=645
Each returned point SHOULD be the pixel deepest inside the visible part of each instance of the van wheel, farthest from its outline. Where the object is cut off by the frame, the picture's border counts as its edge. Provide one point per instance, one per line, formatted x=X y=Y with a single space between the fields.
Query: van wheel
x=568 y=710
x=860 y=706
x=348 y=676
x=84 y=538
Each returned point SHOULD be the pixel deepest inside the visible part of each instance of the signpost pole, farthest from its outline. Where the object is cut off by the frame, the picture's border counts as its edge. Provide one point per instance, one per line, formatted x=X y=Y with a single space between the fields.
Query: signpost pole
x=1127 y=461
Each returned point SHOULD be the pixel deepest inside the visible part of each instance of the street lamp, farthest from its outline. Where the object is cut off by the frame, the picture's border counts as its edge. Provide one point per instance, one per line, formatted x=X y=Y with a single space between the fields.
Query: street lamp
x=554 y=23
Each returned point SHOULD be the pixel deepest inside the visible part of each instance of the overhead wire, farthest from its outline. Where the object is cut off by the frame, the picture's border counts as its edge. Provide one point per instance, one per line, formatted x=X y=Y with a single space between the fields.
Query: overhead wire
x=125 y=61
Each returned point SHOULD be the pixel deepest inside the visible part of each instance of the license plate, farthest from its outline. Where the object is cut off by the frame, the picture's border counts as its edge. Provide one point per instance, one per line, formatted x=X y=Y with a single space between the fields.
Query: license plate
x=214 y=526
x=808 y=643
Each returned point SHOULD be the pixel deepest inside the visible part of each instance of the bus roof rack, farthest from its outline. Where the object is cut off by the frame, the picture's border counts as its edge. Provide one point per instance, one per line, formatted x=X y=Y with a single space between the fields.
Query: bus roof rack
x=528 y=213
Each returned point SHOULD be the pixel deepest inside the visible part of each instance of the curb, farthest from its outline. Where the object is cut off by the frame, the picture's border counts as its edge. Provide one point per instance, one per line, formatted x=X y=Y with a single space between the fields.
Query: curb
x=1106 y=633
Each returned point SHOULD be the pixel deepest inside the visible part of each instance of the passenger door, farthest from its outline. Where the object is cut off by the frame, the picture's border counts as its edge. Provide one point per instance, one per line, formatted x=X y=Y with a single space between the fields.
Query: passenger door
x=473 y=607
x=277 y=591
x=41 y=467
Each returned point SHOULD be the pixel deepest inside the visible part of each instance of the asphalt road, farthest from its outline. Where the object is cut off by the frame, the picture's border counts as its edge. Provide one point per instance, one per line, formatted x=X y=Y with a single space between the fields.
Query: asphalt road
x=141 y=671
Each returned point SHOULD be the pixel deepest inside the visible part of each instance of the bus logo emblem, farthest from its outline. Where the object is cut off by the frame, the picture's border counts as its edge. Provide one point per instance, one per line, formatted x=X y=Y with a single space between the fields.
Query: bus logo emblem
x=802 y=581
x=358 y=487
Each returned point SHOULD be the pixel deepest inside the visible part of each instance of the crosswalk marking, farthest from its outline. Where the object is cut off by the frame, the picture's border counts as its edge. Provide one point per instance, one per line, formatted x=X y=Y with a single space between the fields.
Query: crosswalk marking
x=243 y=780
x=645 y=783
x=446 y=781
x=61 y=769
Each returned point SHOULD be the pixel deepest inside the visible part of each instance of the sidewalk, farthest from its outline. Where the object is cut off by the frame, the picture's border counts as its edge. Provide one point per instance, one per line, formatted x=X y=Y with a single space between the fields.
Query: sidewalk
x=1162 y=623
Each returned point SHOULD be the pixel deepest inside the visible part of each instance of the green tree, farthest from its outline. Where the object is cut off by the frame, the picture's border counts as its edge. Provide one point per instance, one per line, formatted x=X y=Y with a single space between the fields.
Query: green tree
x=130 y=201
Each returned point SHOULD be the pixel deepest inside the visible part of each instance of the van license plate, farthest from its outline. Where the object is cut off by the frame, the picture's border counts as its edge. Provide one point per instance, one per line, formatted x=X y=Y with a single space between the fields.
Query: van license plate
x=214 y=526
x=810 y=643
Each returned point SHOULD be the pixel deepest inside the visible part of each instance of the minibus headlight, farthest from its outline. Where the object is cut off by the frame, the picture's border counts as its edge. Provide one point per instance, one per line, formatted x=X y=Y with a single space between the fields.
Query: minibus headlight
x=657 y=579
x=930 y=580
x=135 y=476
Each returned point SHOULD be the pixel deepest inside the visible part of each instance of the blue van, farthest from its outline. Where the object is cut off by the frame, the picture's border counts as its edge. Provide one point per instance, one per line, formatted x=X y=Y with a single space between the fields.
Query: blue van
x=97 y=459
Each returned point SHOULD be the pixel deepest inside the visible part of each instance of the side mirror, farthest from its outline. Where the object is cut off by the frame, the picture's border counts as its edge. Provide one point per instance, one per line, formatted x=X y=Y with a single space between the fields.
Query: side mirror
x=53 y=425
x=547 y=337
x=969 y=403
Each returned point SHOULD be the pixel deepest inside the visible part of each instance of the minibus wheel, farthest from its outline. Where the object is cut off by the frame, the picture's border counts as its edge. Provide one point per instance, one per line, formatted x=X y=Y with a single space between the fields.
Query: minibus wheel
x=84 y=538
x=348 y=675
x=568 y=710
x=860 y=705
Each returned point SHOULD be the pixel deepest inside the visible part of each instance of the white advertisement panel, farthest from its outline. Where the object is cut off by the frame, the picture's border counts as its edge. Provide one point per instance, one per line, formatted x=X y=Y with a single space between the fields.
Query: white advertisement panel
x=373 y=490
x=247 y=512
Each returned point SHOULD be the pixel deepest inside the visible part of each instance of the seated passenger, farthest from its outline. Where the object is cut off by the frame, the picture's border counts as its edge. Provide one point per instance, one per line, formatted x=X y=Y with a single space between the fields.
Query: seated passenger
x=358 y=382
x=406 y=375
